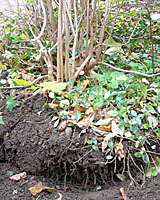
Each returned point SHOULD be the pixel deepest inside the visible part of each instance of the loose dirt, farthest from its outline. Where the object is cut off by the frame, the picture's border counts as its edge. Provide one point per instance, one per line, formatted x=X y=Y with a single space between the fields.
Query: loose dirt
x=59 y=159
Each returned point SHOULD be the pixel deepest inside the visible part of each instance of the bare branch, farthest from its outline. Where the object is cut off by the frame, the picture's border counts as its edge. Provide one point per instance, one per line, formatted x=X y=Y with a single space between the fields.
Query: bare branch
x=129 y=71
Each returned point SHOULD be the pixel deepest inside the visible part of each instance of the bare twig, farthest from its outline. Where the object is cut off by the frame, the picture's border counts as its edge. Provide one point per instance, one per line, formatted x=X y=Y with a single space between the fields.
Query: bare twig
x=129 y=71
x=25 y=86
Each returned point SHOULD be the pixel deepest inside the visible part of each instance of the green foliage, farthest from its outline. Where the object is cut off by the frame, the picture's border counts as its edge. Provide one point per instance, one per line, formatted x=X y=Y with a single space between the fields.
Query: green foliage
x=1 y=120
x=153 y=169
x=93 y=142
x=11 y=103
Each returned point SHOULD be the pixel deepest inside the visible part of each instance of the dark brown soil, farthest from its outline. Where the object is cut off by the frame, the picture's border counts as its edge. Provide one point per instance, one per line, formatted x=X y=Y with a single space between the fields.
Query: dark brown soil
x=30 y=143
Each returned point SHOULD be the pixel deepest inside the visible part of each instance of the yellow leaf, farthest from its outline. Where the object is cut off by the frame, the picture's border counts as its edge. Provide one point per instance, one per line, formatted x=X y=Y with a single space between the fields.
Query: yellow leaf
x=36 y=189
x=89 y=110
x=84 y=84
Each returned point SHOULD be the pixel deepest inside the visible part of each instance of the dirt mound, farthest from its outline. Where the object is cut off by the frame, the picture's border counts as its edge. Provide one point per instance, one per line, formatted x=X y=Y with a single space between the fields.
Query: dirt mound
x=32 y=144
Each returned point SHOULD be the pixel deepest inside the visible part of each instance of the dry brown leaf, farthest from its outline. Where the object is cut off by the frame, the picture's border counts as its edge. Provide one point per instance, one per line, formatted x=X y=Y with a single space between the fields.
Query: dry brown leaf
x=62 y=125
x=82 y=123
x=106 y=140
x=123 y=193
x=119 y=150
x=27 y=77
x=44 y=92
x=36 y=189
x=52 y=105
x=79 y=108
x=115 y=129
x=105 y=128
x=85 y=139
x=19 y=176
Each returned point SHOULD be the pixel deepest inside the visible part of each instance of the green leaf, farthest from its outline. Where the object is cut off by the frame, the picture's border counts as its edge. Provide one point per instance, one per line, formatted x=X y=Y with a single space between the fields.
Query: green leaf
x=109 y=157
x=11 y=103
x=153 y=122
x=146 y=126
x=94 y=141
x=151 y=109
x=108 y=150
x=98 y=102
x=89 y=141
x=145 y=158
x=138 y=154
x=113 y=84
x=153 y=146
x=30 y=1
x=23 y=37
x=116 y=74
x=54 y=86
x=121 y=177
x=107 y=95
x=113 y=42
x=77 y=115
x=154 y=172
x=137 y=144
x=1 y=120
x=98 y=76
x=110 y=144
x=94 y=147
x=149 y=173
x=23 y=82
x=112 y=113
x=134 y=113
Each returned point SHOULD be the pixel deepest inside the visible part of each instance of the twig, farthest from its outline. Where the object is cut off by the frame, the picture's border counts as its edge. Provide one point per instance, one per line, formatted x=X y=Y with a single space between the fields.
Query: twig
x=82 y=66
x=25 y=86
x=129 y=71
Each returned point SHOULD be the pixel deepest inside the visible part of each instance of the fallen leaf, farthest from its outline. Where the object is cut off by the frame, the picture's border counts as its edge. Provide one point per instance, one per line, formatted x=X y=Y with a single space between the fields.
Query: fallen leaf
x=19 y=176
x=62 y=125
x=84 y=84
x=123 y=194
x=54 y=86
x=52 y=105
x=82 y=123
x=119 y=150
x=56 y=123
x=27 y=77
x=115 y=129
x=105 y=128
x=103 y=122
x=79 y=108
x=89 y=110
x=106 y=140
x=36 y=189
